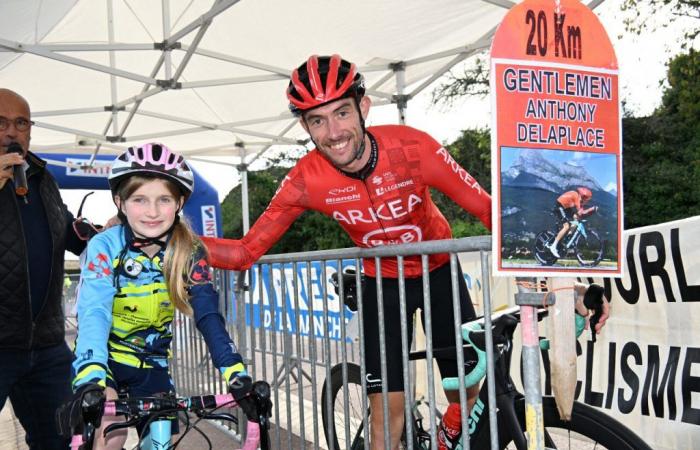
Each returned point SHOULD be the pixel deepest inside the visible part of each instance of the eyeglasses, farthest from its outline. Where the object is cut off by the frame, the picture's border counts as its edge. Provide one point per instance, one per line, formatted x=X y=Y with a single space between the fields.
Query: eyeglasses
x=21 y=124
x=83 y=228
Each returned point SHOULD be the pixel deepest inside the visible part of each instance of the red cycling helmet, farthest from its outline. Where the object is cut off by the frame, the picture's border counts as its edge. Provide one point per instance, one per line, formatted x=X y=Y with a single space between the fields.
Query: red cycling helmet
x=585 y=193
x=321 y=80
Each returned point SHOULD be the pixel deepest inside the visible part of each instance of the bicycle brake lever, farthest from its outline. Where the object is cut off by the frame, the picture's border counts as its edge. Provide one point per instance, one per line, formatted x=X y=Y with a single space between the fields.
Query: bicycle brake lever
x=218 y=416
x=119 y=425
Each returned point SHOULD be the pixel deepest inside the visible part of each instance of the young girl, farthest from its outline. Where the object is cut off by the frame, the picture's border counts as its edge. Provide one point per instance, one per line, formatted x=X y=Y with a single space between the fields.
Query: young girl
x=133 y=278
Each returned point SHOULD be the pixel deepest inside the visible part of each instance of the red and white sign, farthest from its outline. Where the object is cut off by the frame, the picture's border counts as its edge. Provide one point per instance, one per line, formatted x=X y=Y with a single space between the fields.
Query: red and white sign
x=556 y=133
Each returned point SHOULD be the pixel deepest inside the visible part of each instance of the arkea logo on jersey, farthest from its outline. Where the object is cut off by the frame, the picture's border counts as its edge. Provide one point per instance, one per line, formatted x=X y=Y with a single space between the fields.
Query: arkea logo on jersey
x=384 y=189
x=284 y=181
x=460 y=171
x=388 y=211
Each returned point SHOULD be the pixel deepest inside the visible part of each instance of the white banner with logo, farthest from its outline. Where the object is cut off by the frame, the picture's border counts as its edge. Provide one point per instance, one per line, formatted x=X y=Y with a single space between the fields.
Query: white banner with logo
x=644 y=368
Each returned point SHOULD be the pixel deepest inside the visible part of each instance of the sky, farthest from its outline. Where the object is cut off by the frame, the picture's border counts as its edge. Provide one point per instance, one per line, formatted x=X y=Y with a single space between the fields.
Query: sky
x=602 y=167
x=642 y=60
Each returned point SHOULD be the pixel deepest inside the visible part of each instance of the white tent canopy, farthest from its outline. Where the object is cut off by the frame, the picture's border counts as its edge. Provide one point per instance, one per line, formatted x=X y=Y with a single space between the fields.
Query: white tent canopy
x=208 y=78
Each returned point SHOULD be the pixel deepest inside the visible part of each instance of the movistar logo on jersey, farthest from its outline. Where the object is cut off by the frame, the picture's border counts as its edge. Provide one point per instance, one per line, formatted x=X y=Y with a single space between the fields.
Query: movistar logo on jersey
x=391 y=210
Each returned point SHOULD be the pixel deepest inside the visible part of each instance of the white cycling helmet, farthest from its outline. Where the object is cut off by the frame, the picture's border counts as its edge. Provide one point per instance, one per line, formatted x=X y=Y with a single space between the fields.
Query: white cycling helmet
x=155 y=160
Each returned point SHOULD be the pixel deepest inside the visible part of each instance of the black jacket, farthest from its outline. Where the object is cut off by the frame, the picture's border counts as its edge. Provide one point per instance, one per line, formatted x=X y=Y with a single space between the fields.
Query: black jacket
x=18 y=329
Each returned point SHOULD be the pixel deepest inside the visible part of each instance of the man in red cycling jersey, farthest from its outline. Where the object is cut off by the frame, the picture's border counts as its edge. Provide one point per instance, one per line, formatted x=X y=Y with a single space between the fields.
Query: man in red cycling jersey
x=375 y=182
x=570 y=207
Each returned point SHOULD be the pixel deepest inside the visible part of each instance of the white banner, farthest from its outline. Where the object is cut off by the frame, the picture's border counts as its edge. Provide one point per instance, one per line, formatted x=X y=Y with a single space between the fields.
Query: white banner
x=644 y=369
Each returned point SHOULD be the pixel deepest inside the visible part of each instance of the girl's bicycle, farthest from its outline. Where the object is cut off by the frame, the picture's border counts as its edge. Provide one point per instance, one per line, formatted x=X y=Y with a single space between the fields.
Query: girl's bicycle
x=83 y=422
x=589 y=428
x=583 y=243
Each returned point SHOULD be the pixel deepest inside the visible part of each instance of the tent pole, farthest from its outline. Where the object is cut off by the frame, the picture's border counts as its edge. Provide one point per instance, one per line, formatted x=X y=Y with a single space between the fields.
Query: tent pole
x=243 y=171
x=400 y=99
x=112 y=64
x=166 y=36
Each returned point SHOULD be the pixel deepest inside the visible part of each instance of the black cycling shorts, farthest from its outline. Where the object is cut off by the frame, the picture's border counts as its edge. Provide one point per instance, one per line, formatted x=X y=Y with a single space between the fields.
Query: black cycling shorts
x=131 y=381
x=562 y=214
x=442 y=323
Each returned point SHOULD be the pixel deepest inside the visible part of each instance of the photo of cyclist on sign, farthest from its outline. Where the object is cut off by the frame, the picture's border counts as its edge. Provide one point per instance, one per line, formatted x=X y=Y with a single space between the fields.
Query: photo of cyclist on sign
x=570 y=208
x=558 y=209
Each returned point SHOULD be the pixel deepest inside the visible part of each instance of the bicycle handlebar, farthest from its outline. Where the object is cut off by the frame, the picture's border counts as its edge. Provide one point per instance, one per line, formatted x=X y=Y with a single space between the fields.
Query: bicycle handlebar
x=145 y=407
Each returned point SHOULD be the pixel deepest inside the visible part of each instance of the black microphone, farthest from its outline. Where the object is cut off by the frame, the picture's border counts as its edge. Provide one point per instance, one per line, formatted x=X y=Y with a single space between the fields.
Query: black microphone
x=21 y=187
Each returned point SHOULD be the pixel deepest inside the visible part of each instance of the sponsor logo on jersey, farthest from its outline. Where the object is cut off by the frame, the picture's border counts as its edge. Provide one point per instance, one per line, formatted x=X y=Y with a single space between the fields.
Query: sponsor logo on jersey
x=456 y=168
x=403 y=234
x=342 y=199
x=388 y=211
x=343 y=190
x=343 y=195
x=384 y=189
x=377 y=180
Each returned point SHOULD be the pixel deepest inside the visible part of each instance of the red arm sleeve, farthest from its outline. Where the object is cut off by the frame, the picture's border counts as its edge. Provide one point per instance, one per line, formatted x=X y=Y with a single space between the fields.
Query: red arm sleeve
x=239 y=254
x=442 y=172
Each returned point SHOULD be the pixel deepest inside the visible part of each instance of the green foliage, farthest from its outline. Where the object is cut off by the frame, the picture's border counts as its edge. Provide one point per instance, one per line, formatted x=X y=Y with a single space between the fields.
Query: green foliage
x=472 y=150
x=311 y=231
x=642 y=15
x=662 y=152
x=472 y=81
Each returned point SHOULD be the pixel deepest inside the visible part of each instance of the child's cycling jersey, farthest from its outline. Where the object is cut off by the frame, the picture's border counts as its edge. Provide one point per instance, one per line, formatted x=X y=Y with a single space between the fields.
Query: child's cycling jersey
x=390 y=206
x=126 y=317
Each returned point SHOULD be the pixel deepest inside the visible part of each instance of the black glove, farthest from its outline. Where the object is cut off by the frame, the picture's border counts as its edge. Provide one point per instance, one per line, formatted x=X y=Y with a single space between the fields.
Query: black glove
x=593 y=300
x=86 y=407
x=241 y=387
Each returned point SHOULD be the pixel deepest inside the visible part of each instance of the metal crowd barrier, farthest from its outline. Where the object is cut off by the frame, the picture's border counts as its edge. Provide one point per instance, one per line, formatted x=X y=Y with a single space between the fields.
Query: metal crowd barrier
x=270 y=332
x=277 y=296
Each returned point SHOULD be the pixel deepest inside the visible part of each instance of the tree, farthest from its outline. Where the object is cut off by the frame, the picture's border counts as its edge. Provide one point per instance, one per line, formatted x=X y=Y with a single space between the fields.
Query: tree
x=311 y=231
x=472 y=150
x=640 y=16
x=662 y=152
x=474 y=80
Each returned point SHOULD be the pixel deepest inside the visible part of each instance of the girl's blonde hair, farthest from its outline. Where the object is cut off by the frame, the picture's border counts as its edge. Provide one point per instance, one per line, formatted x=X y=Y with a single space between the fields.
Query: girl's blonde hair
x=180 y=251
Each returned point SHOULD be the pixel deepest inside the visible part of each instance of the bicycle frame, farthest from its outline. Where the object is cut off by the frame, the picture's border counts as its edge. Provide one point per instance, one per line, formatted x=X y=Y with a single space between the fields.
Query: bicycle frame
x=578 y=232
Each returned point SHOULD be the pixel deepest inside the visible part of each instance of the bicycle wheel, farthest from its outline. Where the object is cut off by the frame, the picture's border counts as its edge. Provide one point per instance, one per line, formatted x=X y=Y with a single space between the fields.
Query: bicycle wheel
x=589 y=250
x=540 y=250
x=351 y=406
x=588 y=429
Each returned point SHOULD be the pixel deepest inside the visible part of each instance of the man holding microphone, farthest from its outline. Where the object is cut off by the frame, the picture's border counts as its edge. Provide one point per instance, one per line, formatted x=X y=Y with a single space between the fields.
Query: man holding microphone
x=36 y=229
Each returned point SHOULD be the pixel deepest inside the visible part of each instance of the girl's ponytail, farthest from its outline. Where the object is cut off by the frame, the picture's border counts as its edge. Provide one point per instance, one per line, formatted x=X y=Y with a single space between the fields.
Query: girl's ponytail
x=178 y=265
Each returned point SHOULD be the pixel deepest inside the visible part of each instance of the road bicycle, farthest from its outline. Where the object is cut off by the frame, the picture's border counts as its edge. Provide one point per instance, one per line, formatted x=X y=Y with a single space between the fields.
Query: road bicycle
x=589 y=428
x=158 y=412
x=582 y=242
